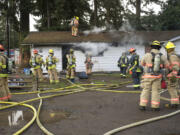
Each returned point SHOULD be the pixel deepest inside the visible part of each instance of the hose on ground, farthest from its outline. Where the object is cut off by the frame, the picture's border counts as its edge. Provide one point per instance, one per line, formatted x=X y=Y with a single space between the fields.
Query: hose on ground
x=30 y=122
x=38 y=120
x=141 y=123
x=34 y=99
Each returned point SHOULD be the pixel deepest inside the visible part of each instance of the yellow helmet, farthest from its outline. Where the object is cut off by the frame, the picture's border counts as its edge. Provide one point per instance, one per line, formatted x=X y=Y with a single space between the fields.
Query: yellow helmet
x=170 y=45
x=71 y=50
x=156 y=43
x=77 y=17
x=51 y=51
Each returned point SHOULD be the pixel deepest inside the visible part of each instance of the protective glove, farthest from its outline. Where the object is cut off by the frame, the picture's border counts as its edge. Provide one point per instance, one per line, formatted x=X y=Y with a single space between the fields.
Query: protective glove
x=130 y=72
x=172 y=76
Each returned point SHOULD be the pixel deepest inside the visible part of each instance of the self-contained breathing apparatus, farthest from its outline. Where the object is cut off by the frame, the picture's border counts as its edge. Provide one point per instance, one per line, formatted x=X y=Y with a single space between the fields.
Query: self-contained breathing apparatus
x=9 y=65
x=50 y=61
x=34 y=62
x=156 y=64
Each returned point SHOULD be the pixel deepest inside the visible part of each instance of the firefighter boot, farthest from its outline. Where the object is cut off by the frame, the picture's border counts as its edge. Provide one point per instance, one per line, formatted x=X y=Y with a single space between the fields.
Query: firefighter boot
x=174 y=106
x=72 y=80
x=142 y=108
x=155 y=109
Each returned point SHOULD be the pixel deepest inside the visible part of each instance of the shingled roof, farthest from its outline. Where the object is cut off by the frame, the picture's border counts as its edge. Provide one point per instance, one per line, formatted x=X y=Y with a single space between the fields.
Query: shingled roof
x=45 y=38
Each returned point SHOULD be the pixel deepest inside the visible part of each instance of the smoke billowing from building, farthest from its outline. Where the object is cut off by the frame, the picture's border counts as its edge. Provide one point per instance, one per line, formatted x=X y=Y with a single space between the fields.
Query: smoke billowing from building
x=125 y=36
x=93 y=49
x=95 y=30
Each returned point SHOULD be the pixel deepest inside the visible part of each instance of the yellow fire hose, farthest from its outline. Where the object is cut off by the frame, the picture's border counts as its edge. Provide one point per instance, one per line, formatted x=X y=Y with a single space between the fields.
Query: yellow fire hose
x=35 y=112
x=34 y=99
x=71 y=91
x=30 y=122
x=38 y=120
x=46 y=91
x=143 y=121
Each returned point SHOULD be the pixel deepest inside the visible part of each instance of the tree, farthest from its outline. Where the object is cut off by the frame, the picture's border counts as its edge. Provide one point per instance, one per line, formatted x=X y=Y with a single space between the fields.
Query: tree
x=170 y=15
x=60 y=13
x=107 y=13
x=136 y=18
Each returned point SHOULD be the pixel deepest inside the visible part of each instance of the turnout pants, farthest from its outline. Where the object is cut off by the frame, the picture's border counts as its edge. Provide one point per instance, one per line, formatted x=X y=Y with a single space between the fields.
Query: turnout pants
x=123 y=70
x=38 y=73
x=136 y=79
x=173 y=91
x=88 y=69
x=148 y=85
x=53 y=77
x=74 y=31
x=4 y=90
x=70 y=73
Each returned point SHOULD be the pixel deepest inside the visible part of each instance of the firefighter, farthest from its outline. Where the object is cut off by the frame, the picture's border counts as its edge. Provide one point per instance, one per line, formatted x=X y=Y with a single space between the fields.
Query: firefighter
x=173 y=74
x=36 y=63
x=89 y=64
x=153 y=63
x=134 y=68
x=71 y=65
x=5 y=94
x=75 y=25
x=123 y=64
x=51 y=61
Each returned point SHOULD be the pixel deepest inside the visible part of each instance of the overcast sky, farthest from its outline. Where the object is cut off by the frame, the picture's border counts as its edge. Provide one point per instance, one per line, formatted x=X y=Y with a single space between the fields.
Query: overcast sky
x=155 y=7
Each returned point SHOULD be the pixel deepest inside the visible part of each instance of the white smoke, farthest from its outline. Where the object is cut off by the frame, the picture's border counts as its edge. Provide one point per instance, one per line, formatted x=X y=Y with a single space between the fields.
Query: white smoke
x=95 y=30
x=93 y=49
x=126 y=27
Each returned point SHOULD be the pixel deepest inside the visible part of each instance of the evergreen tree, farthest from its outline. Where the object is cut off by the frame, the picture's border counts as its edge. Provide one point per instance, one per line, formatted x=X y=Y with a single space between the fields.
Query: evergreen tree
x=170 y=15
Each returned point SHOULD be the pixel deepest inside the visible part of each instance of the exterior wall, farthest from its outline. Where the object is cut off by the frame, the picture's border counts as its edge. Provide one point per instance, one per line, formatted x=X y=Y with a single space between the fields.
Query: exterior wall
x=43 y=50
x=107 y=62
x=177 y=43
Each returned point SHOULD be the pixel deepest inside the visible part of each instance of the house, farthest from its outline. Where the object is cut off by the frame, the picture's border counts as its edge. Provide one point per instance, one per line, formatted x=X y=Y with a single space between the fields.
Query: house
x=105 y=47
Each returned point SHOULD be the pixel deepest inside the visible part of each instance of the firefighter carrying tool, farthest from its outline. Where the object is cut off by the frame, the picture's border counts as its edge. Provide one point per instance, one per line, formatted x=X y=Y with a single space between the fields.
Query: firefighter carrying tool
x=36 y=63
x=123 y=64
x=153 y=63
x=71 y=65
x=134 y=68
x=173 y=76
x=75 y=25
x=4 y=90
x=89 y=64
x=51 y=61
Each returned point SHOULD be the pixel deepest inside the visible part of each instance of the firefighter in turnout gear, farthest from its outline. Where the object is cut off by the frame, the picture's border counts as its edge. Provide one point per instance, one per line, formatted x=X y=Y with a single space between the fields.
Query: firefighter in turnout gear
x=75 y=25
x=5 y=94
x=153 y=63
x=134 y=68
x=71 y=65
x=123 y=63
x=173 y=75
x=36 y=63
x=89 y=64
x=51 y=61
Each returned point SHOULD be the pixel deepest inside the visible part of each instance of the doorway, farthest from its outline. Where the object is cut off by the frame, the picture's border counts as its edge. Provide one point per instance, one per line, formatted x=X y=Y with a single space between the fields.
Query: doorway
x=65 y=51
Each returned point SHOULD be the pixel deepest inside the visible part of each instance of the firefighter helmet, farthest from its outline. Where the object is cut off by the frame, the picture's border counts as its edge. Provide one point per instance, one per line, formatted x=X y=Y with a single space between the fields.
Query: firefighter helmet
x=51 y=51
x=169 y=45
x=35 y=51
x=1 y=48
x=156 y=43
x=77 y=18
x=71 y=50
x=132 y=50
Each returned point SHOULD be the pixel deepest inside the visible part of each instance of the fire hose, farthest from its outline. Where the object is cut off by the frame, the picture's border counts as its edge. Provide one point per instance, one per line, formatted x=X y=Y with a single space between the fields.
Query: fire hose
x=73 y=89
x=30 y=122
x=143 y=121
